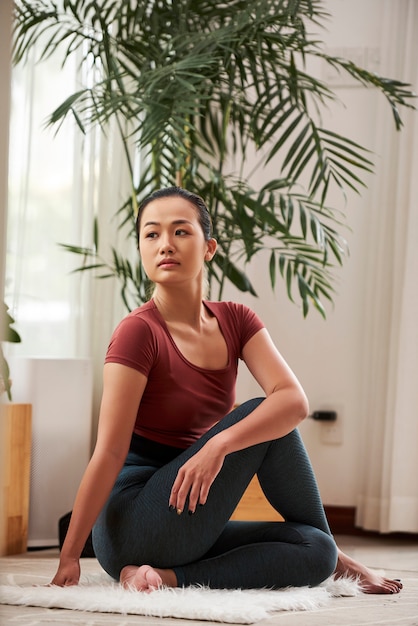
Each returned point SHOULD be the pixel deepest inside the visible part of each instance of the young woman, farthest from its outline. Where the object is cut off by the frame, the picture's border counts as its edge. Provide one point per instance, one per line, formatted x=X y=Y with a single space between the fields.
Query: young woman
x=173 y=457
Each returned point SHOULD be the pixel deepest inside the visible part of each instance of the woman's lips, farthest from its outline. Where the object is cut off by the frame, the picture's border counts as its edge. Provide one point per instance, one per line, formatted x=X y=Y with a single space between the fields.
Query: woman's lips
x=167 y=263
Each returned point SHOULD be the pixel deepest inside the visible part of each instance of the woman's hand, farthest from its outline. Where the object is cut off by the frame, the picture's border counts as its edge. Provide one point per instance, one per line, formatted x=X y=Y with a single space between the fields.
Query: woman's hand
x=195 y=477
x=68 y=573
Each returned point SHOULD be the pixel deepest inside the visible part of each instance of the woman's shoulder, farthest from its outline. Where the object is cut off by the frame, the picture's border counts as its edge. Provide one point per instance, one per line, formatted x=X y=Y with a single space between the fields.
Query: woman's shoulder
x=238 y=322
x=227 y=306
x=235 y=311
x=134 y=341
x=143 y=310
x=142 y=318
x=147 y=311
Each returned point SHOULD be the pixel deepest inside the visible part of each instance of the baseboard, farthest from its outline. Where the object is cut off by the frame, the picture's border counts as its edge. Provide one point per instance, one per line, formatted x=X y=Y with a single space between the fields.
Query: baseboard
x=342 y=522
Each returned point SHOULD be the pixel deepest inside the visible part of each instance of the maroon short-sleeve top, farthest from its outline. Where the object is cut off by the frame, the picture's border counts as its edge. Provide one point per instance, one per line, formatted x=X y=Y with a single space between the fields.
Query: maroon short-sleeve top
x=181 y=401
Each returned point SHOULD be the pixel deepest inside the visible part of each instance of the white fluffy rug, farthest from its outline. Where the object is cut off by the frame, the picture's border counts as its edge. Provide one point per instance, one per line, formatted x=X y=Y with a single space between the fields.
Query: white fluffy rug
x=98 y=593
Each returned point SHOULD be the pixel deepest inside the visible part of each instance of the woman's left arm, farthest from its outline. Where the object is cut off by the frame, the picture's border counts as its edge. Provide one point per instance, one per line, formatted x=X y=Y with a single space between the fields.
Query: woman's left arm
x=285 y=406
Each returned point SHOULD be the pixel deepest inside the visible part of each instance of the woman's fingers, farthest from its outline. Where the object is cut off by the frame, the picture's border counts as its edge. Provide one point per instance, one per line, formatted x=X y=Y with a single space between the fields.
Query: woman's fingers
x=194 y=480
x=189 y=491
x=194 y=497
x=185 y=487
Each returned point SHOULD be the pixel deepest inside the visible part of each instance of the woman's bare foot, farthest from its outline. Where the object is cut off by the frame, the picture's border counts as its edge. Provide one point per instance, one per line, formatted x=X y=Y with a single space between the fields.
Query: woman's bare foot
x=370 y=581
x=146 y=578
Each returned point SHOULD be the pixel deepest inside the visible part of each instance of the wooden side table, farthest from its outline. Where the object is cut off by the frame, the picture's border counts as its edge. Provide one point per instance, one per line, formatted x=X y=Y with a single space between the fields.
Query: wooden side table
x=15 y=453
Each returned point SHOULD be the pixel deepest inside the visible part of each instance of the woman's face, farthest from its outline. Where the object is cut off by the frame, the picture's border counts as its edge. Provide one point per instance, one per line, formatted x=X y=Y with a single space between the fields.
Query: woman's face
x=171 y=241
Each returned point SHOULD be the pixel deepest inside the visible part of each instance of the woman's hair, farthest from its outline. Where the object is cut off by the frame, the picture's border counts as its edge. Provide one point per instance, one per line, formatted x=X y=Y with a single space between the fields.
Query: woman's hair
x=198 y=203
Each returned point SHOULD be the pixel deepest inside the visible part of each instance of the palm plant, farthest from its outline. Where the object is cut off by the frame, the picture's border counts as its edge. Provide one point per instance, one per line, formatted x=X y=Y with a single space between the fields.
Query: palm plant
x=198 y=86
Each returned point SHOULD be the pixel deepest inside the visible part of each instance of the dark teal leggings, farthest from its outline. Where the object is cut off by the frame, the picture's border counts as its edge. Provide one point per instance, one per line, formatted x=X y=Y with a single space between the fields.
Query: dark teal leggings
x=136 y=526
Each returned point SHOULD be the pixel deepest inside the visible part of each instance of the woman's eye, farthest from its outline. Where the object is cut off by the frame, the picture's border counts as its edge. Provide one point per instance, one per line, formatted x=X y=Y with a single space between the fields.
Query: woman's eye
x=181 y=231
x=150 y=235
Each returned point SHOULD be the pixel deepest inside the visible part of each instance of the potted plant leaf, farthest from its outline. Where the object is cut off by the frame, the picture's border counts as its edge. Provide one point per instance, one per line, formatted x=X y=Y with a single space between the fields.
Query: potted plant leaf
x=9 y=334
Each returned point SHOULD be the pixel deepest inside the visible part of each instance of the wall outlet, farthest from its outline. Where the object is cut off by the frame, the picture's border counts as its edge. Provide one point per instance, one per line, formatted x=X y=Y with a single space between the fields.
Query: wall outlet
x=332 y=432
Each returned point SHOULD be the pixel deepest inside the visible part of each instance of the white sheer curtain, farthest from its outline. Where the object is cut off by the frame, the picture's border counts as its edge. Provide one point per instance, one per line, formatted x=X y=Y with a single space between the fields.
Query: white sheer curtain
x=57 y=183
x=389 y=498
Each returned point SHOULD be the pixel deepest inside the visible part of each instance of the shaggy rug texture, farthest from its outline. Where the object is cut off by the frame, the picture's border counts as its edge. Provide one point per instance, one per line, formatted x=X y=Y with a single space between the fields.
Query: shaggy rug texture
x=98 y=593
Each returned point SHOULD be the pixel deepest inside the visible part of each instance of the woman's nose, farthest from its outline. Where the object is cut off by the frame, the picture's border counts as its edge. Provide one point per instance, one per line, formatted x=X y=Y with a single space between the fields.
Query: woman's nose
x=166 y=245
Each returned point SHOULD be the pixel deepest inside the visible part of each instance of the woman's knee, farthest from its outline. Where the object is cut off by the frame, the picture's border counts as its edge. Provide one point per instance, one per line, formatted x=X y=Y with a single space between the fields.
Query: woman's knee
x=324 y=555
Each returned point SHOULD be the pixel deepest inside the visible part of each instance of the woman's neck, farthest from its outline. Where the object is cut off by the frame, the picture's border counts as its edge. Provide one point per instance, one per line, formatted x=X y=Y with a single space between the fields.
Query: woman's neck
x=177 y=306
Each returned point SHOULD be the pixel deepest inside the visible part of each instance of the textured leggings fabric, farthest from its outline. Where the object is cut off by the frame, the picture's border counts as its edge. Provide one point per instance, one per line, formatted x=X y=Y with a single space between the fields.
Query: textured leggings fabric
x=136 y=526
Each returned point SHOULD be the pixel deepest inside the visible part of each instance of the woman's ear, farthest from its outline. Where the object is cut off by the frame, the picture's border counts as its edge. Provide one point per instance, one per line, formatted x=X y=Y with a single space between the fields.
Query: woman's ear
x=212 y=244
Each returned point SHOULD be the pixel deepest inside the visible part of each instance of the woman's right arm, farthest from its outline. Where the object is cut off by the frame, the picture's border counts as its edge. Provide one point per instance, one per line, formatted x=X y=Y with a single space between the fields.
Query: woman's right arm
x=122 y=392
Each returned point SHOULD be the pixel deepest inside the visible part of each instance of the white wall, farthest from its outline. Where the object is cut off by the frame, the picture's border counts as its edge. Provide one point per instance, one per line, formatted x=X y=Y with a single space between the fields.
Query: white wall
x=327 y=356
